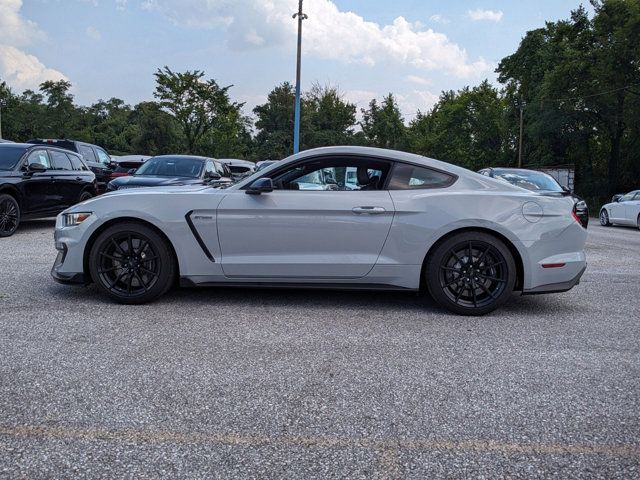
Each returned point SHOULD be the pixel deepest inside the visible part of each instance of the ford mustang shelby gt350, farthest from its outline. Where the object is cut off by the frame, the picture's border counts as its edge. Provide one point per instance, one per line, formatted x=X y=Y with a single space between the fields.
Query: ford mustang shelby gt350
x=336 y=217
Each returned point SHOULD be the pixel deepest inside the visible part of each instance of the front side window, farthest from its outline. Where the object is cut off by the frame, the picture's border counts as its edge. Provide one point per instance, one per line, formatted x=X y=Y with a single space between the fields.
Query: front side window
x=39 y=156
x=409 y=177
x=627 y=197
x=103 y=157
x=60 y=160
x=334 y=174
x=87 y=153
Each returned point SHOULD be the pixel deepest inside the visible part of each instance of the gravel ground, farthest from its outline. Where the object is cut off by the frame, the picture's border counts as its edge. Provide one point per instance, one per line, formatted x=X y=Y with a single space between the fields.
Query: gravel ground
x=305 y=384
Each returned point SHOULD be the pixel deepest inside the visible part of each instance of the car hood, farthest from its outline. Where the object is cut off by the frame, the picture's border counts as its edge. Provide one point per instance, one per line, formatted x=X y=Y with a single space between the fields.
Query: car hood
x=151 y=181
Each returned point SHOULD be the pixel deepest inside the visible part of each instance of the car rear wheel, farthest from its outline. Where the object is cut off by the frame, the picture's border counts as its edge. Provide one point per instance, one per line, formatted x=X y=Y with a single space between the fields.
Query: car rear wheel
x=132 y=263
x=471 y=273
x=604 y=218
x=85 y=196
x=9 y=215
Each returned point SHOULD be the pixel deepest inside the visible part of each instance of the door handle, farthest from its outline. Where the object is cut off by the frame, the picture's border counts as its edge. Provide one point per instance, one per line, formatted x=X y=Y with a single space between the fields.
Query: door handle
x=368 y=210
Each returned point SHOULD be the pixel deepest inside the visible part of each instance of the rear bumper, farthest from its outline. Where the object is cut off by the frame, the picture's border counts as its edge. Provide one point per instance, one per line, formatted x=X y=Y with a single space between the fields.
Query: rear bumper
x=68 y=278
x=556 y=287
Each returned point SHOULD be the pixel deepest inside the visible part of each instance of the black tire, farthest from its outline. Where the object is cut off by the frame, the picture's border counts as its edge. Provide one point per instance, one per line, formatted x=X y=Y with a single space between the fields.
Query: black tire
x=132 y=263
x=638 y=222
x=604 y=218
x=86 y=195
x=9 y=215
x=471 y=273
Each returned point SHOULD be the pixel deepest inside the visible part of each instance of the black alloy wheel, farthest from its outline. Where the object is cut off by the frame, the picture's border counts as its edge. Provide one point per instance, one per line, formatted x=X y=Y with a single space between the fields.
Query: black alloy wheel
x=471 y=273
x=132 y=263
x=9 y=215
x=85 y=196
x=604 y=218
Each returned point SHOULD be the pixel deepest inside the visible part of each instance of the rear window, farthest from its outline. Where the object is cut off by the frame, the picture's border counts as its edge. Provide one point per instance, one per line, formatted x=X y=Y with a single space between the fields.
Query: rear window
x=409 y=177
x=77 y=162
x=10 y=156
x=60 y=160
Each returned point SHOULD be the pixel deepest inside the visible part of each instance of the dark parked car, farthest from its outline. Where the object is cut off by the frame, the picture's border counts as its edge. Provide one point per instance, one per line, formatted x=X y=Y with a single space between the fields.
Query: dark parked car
x=542 y=183
x=239 y=168
x=127 y=164
x=97 y=158
x=40 y=181
x=168 y=170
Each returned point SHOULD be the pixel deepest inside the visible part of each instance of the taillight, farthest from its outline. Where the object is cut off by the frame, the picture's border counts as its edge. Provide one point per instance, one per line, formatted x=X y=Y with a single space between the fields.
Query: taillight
x=575 y=216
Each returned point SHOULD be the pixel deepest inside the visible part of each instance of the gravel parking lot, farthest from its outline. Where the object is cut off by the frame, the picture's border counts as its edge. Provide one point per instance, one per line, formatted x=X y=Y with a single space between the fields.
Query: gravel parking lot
x=306 y=384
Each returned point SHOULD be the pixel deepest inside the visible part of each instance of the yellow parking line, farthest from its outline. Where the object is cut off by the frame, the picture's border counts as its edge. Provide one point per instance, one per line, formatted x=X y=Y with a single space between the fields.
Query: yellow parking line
x=386 y=447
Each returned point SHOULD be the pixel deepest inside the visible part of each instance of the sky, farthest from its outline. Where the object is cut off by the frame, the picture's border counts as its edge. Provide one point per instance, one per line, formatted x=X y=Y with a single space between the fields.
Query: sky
x=368 y=48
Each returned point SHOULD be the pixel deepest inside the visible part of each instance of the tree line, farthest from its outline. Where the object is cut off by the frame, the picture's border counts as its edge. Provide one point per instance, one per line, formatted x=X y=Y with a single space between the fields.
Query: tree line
x=577 y=82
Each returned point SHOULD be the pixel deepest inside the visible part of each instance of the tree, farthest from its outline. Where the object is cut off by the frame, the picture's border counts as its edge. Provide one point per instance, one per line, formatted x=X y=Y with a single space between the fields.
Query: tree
x=465 y=127
x=198 y=105
x=383 y=125
x=275 y=123
x=579 y=79
x=331 y=119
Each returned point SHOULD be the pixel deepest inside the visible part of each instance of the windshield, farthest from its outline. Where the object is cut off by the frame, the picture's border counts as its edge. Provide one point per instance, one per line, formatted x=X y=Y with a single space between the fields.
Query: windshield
x=171 y=167
x=10 y=156
x=534 y=181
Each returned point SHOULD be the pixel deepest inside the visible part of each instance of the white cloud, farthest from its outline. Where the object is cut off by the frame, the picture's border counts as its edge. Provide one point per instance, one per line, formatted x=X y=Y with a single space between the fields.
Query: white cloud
x=93 y=33
x=329 y=33
x=479 y=15
x=22 y=70
x=18 y=68
x=437 y=18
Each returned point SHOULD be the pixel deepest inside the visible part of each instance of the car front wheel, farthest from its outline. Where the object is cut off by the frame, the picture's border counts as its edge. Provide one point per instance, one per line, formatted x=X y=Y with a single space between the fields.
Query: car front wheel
x=9 y=215
x=471 y=273
x=604 y=218
x=132 y=263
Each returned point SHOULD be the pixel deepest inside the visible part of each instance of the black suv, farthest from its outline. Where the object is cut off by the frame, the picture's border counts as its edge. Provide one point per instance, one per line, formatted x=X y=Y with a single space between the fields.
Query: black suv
x=97 y=158
x=40 y=181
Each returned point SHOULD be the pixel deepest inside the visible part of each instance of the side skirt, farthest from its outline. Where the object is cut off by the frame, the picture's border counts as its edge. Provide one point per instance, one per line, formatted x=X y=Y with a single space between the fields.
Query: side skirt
x=188 y=283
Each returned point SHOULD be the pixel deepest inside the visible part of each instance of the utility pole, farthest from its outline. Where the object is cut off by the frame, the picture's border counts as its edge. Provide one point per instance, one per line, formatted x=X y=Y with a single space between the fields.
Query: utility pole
x=296 y=127
x=520 y=137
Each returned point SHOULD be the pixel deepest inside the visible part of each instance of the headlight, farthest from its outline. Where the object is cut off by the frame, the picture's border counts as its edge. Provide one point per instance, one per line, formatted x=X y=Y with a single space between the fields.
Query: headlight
x=73 y=219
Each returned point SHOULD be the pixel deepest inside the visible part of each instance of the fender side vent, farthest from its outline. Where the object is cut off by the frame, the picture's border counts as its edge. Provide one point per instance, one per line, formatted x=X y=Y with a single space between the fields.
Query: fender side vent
x=197 y=236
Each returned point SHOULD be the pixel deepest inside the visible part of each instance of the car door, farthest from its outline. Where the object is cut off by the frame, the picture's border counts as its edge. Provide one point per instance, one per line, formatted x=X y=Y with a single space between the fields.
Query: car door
x=632 y=209
x=323 y=233
x=68 y=182
x=40 y=189
x=618 y=210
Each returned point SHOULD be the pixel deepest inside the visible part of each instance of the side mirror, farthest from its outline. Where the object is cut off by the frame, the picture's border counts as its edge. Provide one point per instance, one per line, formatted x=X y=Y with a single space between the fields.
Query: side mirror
x=212 y=176
x=616 y=198
x=261 y=185
x=36 y=168
x=131 y=171
x=566 y=189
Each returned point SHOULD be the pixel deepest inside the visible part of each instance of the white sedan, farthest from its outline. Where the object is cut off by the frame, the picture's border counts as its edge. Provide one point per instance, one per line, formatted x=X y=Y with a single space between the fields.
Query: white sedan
x=624 y=211
x=405 y=223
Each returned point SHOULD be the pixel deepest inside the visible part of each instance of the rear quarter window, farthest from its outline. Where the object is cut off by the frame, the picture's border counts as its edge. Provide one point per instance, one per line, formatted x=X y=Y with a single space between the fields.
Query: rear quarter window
x=413 y=177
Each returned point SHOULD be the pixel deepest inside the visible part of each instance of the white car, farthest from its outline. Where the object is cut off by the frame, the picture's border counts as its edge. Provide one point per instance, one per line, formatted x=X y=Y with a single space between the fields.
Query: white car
x=410 y=223
x=624 y=211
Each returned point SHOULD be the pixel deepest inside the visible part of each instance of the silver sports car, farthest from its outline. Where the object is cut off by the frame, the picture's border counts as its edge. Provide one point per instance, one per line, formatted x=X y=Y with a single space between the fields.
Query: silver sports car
x=625 y=210
x=374 y=219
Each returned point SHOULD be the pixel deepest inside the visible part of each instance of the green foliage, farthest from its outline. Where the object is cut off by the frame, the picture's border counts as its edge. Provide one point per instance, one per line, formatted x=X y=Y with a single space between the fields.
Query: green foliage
x=383 y=125
x=466 y=127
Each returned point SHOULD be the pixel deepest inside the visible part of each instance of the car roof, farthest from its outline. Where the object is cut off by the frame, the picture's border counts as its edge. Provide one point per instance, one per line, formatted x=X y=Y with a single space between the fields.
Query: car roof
x=464 y=175
x=185 y=157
